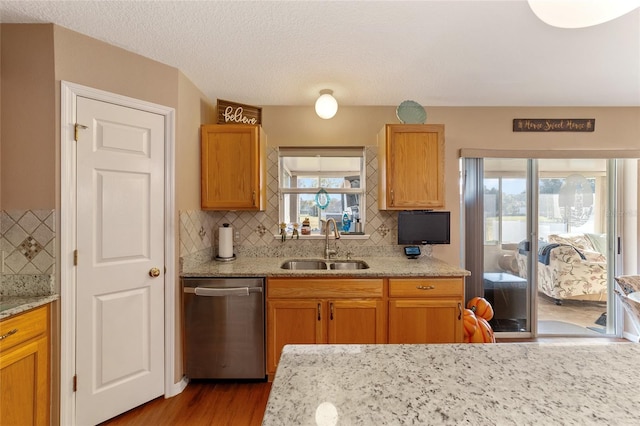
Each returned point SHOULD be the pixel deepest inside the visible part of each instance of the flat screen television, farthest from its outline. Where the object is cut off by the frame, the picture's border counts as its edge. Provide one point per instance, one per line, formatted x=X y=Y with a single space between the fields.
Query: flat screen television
x=424 y=227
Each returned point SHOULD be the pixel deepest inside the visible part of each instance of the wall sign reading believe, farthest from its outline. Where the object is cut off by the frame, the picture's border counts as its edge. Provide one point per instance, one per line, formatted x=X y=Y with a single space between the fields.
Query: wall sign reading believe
x=232 y=112
x=554 y=124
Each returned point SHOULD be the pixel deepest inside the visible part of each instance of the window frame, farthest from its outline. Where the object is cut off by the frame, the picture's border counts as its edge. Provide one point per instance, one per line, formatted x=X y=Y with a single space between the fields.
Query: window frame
x=324 y=152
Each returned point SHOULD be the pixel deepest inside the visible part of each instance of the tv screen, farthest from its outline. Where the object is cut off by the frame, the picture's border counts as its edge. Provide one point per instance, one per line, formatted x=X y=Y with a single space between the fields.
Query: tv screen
x=424 y=227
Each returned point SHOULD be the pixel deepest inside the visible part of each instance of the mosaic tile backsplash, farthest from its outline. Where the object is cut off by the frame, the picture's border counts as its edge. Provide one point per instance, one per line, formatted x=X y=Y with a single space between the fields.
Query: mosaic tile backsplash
x=198 y=229
x=27 y=242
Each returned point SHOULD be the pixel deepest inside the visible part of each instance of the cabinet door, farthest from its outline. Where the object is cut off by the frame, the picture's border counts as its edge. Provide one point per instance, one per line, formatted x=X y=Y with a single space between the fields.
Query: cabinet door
x=413 y=167
x=292 y=322
x=24 y=384
x=356 y=321
x=425 y=321
x=231 y=173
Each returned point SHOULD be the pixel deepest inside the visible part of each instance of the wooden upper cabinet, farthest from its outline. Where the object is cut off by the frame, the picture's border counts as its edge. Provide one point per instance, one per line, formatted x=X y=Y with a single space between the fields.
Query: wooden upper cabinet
x=411 y=167
x=233 y=172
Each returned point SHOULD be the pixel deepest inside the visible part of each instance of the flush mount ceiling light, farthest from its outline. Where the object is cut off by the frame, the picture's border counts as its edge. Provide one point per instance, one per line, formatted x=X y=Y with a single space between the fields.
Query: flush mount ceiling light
x=326 y=105
x=580 y=13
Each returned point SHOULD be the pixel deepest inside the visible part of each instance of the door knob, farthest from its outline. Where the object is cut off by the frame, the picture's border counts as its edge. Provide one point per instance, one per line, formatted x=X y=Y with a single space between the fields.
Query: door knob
x=154 y=272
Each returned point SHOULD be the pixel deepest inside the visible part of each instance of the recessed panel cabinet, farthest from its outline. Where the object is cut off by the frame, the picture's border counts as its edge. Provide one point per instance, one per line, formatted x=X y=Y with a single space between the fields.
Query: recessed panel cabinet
x=310 y=311
x=233 y=167
x=24 y=368
x=425 y=310
x=411 y=167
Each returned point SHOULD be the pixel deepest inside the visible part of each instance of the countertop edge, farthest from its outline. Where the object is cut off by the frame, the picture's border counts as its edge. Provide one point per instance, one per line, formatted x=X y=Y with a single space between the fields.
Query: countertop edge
x=379 y=267
x=25 y=303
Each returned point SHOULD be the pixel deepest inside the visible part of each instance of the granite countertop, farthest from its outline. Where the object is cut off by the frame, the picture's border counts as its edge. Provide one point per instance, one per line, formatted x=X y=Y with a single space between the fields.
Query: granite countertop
x=14 y=305
x=451 y=384
x=378 y=267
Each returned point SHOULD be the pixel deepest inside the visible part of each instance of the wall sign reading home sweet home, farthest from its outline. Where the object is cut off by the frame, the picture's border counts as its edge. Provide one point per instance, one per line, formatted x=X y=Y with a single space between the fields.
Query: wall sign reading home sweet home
x=235 y=113
x=554 y=124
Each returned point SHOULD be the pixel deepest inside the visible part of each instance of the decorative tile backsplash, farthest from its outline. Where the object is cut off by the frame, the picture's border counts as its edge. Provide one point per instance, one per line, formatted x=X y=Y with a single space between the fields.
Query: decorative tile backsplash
x=28 y=241
x=257 y=229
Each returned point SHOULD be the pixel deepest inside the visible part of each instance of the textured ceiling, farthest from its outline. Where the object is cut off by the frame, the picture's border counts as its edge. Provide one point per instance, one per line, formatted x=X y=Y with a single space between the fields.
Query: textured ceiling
x=438 y=53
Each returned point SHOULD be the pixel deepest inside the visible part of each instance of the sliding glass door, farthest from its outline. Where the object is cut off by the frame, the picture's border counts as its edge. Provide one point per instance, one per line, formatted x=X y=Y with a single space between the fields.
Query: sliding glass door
x=573 y=263
x=547 y=245
x=506 y=198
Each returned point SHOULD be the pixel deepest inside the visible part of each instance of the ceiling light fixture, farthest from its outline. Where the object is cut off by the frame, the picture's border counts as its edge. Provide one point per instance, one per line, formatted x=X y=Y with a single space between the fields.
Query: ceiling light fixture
x=580 y=13
x=326 y=105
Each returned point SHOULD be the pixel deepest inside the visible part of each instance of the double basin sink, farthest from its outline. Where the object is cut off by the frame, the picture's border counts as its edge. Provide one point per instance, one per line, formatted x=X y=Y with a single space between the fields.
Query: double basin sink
x=321 y=264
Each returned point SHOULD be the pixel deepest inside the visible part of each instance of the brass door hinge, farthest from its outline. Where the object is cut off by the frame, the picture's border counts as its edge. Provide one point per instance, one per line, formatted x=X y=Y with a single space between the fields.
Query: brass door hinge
x=75 y=382
x=77 y=127
x=75 y=258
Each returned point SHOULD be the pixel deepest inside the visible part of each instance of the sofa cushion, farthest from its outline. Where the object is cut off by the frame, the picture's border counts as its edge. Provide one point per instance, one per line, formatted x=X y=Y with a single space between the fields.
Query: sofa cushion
x=579 y=241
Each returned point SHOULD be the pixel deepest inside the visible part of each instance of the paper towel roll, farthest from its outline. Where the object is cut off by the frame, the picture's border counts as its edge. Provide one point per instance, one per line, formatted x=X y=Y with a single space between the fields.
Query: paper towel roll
x=225 y=241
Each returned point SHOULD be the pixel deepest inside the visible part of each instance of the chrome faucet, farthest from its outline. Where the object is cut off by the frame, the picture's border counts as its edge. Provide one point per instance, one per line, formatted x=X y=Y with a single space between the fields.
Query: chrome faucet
x=327 y=251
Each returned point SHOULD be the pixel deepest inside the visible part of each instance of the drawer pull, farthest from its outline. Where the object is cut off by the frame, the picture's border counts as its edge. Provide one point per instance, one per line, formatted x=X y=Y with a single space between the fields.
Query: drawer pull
x=429 y=287
x=12 y=332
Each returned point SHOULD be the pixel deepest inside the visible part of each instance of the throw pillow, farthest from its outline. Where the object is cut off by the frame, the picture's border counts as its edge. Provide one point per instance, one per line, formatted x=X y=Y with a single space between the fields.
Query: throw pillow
x=599 y=242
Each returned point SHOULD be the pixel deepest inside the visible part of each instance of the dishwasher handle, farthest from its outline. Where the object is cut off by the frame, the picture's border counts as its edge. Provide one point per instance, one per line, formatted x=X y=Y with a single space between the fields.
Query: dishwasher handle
x=222 y=292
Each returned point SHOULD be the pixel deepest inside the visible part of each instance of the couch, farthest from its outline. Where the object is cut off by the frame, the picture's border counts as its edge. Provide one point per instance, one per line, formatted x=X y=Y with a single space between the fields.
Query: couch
x=570 y=266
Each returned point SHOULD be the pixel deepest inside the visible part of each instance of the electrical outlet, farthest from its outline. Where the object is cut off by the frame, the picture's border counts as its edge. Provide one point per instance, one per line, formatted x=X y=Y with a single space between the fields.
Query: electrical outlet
x=236 y=236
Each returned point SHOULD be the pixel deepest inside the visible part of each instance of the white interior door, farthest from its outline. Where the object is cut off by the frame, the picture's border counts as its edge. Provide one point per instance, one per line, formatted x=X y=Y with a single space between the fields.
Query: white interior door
x=120 y=240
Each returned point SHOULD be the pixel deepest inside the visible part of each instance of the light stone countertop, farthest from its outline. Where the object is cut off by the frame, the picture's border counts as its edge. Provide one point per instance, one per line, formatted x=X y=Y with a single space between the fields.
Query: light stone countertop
x=378 y=267
x=452 y=384
x=14 y=305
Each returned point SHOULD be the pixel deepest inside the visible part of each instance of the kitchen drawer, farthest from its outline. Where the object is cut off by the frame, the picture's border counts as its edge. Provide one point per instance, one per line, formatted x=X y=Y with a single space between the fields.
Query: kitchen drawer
x=23 y=327
x=426 y=287
x=296 y=288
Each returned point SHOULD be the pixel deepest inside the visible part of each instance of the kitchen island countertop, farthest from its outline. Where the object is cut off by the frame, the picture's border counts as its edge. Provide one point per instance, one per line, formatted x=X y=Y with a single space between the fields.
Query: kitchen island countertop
x=378 y=267
x=481 y=384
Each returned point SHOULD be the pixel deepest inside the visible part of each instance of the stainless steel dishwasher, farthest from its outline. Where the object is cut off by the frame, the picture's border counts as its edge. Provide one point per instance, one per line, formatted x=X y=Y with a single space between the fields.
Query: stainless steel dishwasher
x=224 y=328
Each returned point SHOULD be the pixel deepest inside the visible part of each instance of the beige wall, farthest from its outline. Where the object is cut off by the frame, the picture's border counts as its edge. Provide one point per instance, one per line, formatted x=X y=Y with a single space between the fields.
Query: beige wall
x=35 y=58
x=27 y=115
x=193 y=110
x=489 y=128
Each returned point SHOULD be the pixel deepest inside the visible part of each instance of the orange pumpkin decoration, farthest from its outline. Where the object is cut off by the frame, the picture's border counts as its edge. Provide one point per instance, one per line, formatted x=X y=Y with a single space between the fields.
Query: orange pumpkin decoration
x=481 y=307
x=486 y=331
x=470 y=323
x=483 y=334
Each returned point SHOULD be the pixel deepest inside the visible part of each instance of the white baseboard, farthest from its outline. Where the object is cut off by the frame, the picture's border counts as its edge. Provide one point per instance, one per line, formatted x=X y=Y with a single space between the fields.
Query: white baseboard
x=631 y=337
x=177 y=388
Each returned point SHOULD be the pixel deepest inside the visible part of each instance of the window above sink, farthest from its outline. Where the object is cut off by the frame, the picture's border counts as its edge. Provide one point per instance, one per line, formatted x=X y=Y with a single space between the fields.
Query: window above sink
x=320 y=183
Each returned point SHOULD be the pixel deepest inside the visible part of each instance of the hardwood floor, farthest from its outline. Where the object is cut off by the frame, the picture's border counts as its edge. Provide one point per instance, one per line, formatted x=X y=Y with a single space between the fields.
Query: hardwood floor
x=203 y=403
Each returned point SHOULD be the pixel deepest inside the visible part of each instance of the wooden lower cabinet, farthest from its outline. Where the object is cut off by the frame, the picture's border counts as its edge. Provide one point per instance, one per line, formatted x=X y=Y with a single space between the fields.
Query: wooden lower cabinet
x=426 y=310
x=24 y=368
x=343 y=311
x=362 y=311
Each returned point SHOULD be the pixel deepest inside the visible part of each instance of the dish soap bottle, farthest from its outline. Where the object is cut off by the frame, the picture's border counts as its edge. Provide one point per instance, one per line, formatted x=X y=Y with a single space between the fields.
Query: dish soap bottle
x=346 y=222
